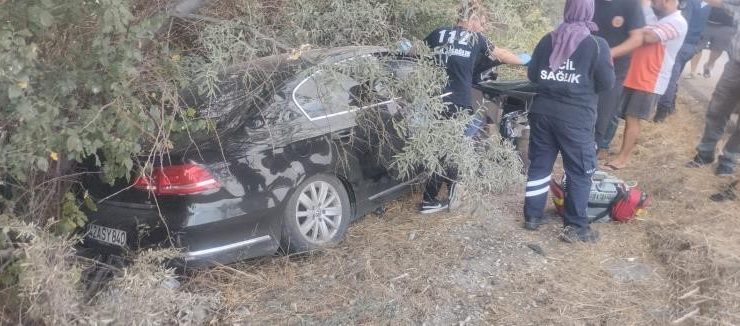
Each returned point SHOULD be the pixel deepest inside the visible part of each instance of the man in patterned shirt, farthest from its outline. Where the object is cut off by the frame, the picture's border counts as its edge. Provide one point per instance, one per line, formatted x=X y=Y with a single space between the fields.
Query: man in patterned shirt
x=650 y=71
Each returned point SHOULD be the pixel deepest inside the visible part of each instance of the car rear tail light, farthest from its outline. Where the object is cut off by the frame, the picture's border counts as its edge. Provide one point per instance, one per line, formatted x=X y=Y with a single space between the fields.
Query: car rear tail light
x=185 y=179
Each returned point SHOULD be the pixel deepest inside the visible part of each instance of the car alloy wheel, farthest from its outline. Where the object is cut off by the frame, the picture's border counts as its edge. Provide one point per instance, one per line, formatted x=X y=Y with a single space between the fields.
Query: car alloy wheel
x=319 y=212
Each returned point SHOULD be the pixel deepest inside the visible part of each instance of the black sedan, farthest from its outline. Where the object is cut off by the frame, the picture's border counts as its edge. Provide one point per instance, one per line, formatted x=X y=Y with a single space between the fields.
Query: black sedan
x=287 y=167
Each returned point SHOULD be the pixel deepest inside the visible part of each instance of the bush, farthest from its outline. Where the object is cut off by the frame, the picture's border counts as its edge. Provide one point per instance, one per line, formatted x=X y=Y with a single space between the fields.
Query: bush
x=144 y=293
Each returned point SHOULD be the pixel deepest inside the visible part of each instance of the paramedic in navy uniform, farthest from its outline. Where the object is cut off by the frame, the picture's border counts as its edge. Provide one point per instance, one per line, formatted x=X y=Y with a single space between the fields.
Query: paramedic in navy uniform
x=459 y=49
x=569 y=67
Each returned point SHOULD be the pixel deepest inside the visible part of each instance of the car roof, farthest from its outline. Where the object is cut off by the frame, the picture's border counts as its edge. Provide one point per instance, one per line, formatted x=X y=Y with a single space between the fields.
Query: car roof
x=304 y=58
x=330 y=55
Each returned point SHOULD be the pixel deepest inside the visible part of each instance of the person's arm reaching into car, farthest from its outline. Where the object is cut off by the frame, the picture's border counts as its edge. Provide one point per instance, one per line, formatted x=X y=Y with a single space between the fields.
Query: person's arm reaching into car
x=506 y=56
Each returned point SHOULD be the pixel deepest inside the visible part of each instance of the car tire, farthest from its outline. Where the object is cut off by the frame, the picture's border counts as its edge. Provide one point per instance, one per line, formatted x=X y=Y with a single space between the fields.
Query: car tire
x=316 y=215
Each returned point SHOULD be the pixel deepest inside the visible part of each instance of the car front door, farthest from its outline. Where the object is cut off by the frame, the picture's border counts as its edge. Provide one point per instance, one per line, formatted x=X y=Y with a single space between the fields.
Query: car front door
x=333 y=101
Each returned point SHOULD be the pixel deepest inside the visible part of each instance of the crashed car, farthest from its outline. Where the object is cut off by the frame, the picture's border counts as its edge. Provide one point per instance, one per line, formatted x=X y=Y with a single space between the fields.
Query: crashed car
x=289 y=168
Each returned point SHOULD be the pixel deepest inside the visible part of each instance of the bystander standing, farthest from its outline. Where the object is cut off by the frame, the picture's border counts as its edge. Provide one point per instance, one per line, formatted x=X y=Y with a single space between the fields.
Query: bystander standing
x=649 y=72
x=723 y=104
x=717 y=37
x=619 y=22
x=696 y=13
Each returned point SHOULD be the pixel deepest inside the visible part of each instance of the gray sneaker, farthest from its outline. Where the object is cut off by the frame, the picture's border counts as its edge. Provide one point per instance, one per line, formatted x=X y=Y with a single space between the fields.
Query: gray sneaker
x=429 y=207
x=572 y=234
x=701 y=159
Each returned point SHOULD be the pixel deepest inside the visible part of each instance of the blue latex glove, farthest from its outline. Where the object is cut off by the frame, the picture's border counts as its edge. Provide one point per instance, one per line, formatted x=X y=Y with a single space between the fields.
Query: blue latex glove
x=404 y=46
x=525 y=57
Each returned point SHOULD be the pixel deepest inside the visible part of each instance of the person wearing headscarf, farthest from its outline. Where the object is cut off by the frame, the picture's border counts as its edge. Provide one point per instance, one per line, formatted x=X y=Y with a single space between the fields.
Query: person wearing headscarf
x=570 y=67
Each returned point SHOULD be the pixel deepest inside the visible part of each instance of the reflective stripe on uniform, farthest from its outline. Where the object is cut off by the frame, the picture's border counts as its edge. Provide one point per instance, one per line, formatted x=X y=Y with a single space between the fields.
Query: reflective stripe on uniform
x=539 y=182
x=535 y=193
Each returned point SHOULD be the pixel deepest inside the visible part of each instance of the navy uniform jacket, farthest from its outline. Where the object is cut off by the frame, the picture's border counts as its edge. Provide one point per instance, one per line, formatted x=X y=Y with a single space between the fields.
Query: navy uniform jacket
x=459 y=50
x=571 y=93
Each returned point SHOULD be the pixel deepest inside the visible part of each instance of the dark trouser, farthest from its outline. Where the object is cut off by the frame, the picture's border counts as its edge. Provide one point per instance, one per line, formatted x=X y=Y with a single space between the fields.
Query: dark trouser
x=431 y=190
x=608 y=107
x=611 y=129
x=667 y=102
x=574 y=141
x=723 y=104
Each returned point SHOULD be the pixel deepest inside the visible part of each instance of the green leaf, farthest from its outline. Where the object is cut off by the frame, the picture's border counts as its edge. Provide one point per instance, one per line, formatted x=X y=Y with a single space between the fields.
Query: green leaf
x=128 y=164
x=90 y=204
x=74 y=144
x=14 y=92
x=31 y=51
x=25 y=33
x=41 y=16
x=25 y=110
x=64 y=227
x=42 y=164
x=190 y=113
x=81 y=220
x=67 y=85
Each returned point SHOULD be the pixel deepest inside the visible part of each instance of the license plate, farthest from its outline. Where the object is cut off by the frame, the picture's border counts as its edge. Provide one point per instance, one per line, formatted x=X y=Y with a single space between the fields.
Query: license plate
x=107 y=235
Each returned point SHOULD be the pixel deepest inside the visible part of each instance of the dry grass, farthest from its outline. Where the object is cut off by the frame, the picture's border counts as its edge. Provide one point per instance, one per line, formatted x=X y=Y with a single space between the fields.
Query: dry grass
x=404 y=268
x=408 y=269
x=50 y=290
x=49 y=282
x=371 y=277
x=695 y=238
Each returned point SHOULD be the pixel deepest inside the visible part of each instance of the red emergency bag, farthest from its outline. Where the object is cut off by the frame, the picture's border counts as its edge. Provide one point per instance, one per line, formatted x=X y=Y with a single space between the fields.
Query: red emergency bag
x=609 y=197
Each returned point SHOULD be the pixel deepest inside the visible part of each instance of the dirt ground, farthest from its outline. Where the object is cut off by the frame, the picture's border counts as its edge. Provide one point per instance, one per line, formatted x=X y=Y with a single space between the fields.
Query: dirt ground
x=678 y=263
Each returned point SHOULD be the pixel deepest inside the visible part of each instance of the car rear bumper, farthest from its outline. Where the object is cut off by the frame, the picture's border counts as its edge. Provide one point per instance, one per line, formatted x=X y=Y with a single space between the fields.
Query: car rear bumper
x=251 y=248
x=221 y=241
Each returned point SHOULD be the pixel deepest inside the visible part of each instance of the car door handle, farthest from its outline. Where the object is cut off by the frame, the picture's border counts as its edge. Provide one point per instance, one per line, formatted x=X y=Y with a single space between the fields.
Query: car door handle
x=343 y=135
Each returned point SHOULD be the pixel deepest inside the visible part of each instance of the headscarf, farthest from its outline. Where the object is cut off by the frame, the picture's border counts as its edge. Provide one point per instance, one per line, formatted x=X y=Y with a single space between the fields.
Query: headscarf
x=576 y=27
